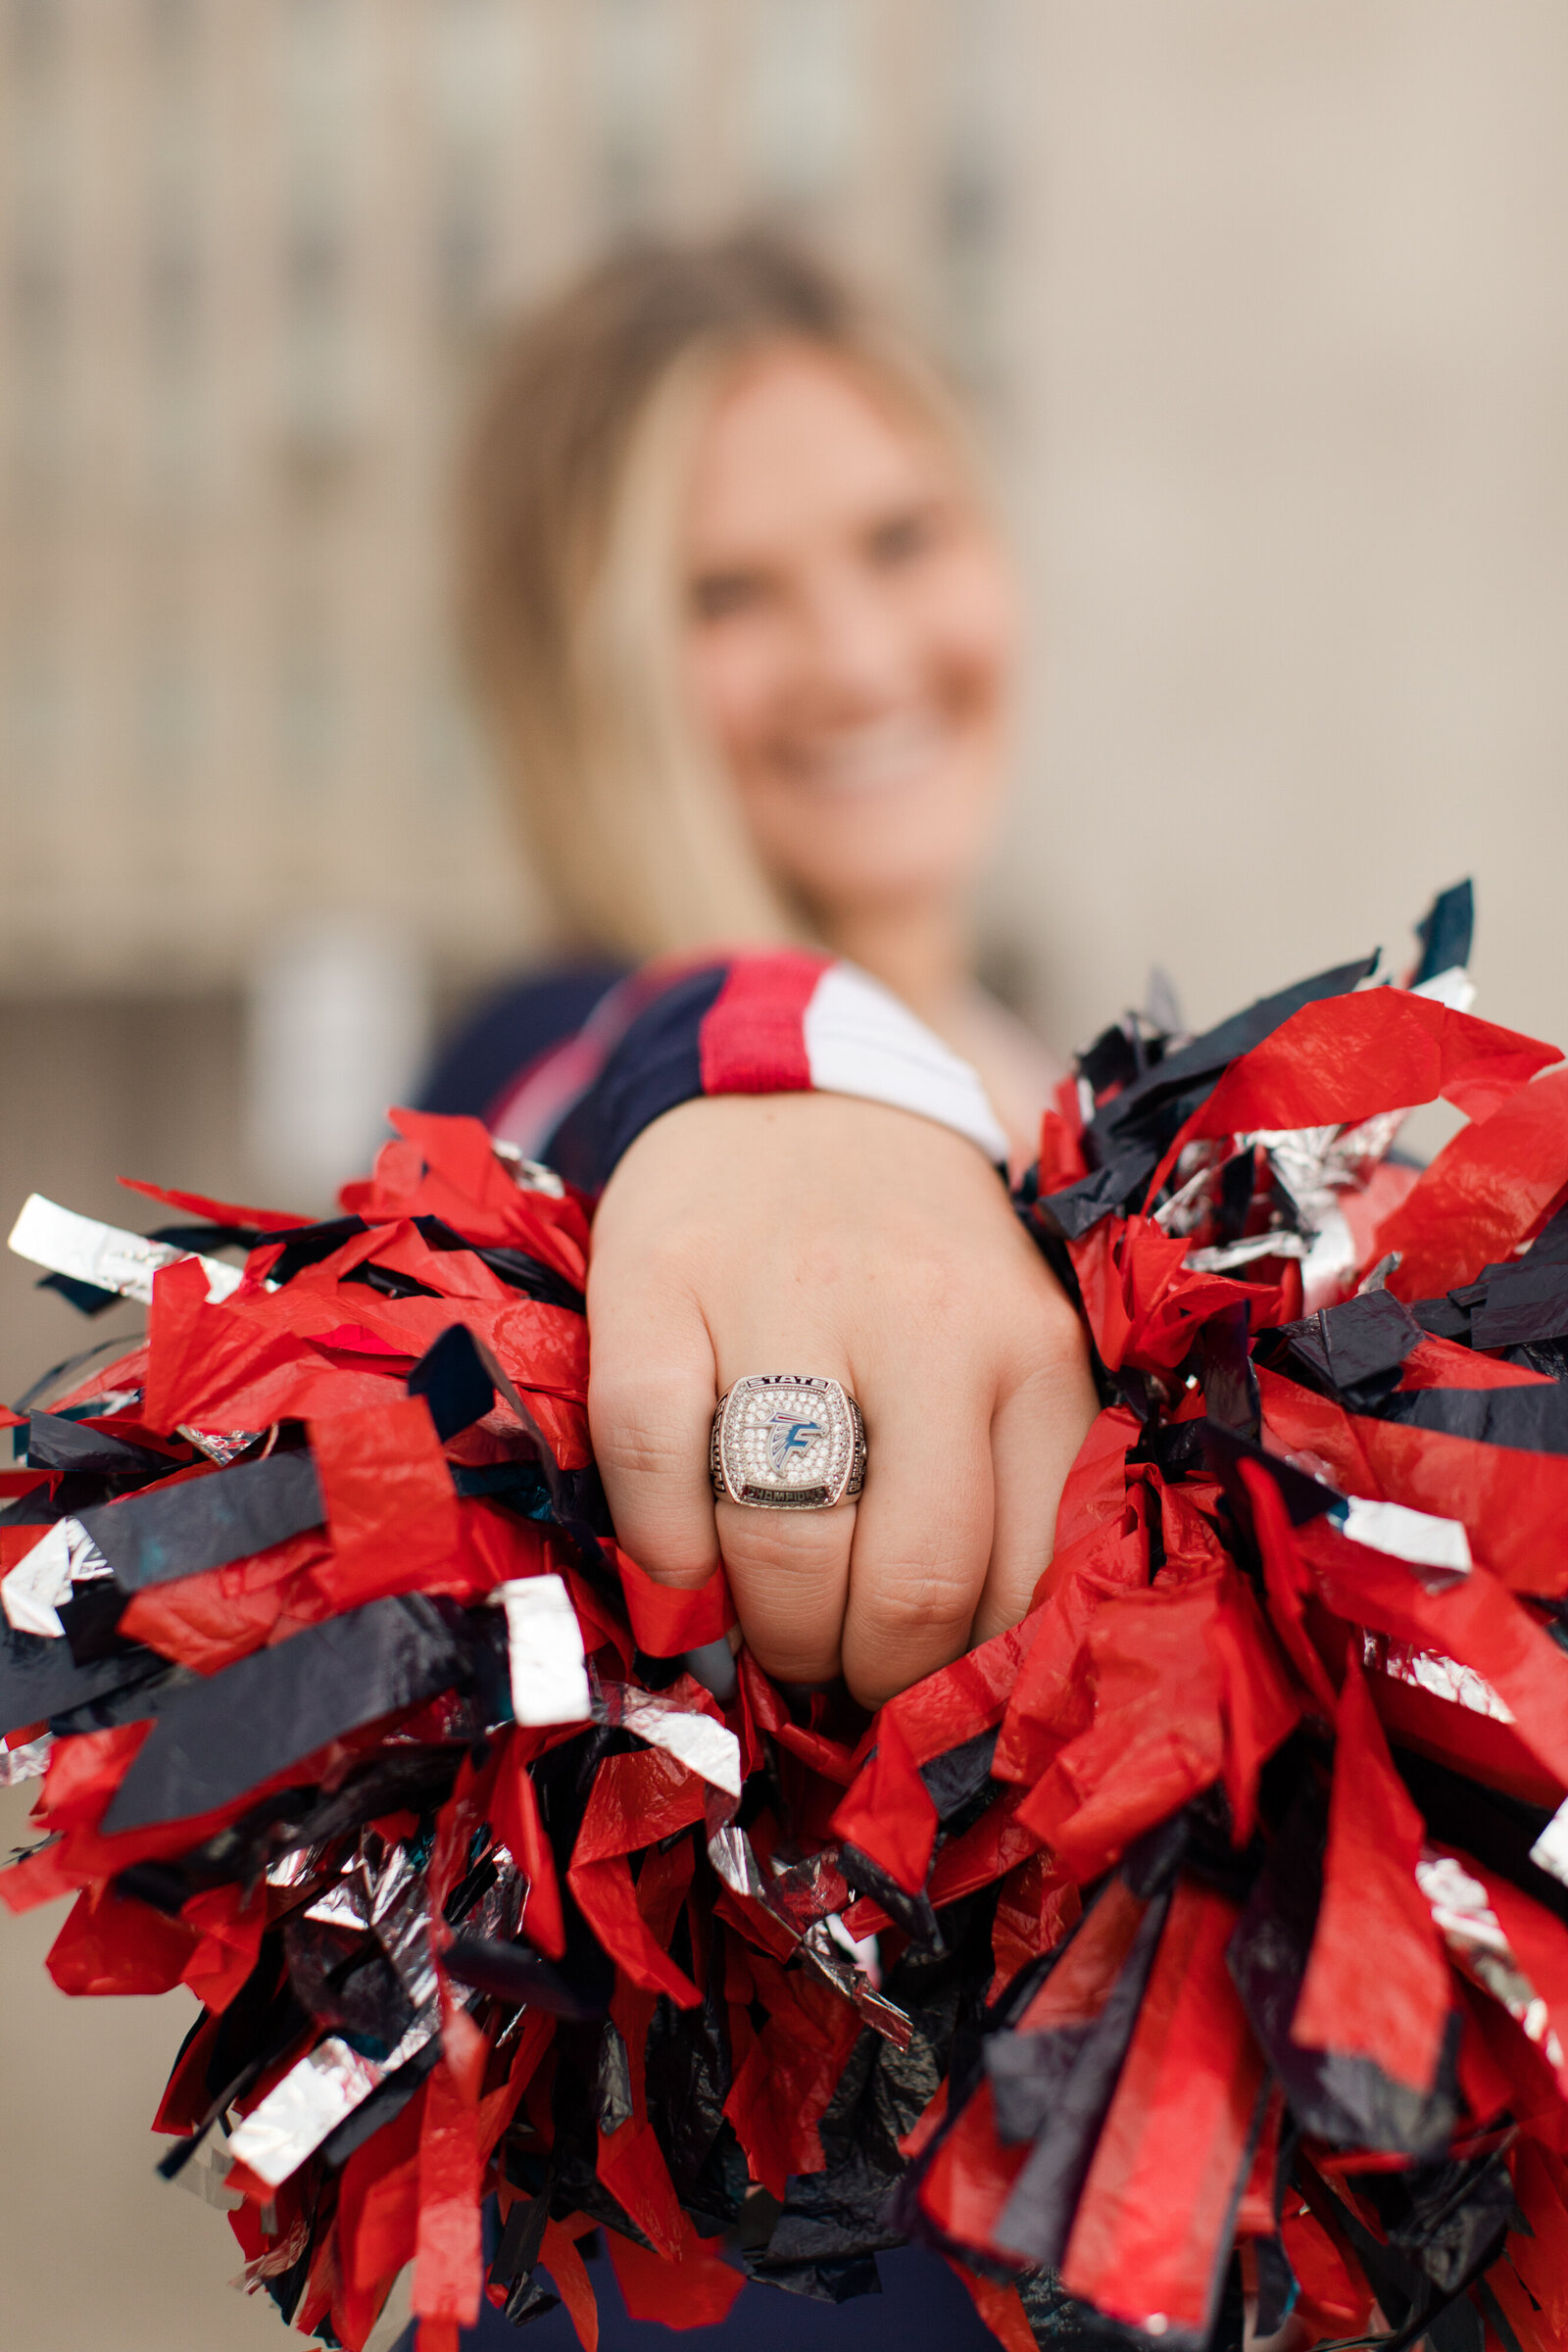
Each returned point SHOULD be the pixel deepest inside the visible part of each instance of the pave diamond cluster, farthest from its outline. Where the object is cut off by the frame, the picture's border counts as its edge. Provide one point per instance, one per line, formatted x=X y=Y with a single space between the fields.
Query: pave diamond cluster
x=788 y=1441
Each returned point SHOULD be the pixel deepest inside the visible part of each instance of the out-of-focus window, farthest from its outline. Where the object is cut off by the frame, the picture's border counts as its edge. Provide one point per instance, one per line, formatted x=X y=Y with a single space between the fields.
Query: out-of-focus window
x=636 y=79
x=805 y=88
x=309 y=717
x=472 y=42
x=972 y=195
x=170 y=734
x=38 y=265
x=174 y=260
x=324 y=102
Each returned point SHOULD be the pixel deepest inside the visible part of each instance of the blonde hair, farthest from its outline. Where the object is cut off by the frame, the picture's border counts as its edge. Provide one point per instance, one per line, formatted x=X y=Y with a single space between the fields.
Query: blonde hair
x=571 y=598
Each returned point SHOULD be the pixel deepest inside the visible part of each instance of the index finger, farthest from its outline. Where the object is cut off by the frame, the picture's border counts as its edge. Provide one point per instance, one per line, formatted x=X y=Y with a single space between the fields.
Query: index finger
x=651 y=1395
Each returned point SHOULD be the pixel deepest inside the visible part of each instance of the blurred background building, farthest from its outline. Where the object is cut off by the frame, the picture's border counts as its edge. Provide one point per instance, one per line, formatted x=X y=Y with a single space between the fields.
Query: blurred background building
x=255 y=252
x=1265 y=313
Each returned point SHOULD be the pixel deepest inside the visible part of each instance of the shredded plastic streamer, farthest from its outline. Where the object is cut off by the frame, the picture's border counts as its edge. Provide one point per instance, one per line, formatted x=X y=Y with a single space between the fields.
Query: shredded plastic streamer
x=1193 y=1954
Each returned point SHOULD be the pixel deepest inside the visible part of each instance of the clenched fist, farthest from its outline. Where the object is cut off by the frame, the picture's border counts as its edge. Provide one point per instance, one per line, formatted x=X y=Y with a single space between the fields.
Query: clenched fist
x=820 y=1234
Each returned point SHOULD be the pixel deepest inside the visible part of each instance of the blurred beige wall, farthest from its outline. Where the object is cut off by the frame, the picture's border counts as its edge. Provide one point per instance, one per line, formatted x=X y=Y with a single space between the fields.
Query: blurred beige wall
x=1268 y=310
x=1293 y=489
x=96 y=2253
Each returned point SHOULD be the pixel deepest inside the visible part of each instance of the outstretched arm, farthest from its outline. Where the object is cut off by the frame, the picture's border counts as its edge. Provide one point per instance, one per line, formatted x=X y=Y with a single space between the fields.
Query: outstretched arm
x=826 y=1233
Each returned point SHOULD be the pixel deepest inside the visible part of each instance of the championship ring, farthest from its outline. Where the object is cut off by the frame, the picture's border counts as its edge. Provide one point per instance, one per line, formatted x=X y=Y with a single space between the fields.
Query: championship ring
x=787 y=1441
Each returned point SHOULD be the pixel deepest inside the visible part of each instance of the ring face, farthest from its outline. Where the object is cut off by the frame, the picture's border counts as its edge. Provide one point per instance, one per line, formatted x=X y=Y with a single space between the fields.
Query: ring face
x=787 y=1441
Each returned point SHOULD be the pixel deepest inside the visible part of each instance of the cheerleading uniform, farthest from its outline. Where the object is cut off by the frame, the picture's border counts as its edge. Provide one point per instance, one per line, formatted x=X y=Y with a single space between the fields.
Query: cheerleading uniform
x=483 y=1062
x=783 y=1021
x=922 y=2308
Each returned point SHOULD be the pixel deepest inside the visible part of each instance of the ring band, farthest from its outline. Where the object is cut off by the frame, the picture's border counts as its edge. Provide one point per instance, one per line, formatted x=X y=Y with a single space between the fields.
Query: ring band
x=787 y=1441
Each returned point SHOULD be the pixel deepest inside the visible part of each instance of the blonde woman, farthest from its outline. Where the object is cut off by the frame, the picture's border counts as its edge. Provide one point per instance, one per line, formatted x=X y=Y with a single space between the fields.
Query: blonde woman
x=746 y=639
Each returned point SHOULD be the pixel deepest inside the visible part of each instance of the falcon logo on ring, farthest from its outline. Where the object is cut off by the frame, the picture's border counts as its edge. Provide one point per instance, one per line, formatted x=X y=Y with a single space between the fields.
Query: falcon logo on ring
x=787 y=1436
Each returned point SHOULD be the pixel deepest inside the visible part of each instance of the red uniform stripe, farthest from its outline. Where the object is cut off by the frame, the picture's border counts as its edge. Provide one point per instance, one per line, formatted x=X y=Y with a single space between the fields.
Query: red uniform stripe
x=750 y=1040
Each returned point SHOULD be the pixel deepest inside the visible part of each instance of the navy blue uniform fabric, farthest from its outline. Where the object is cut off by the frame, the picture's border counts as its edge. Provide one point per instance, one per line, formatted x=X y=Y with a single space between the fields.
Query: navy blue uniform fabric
x=922 y=2308
x=656 y=1064
x=481 y=1060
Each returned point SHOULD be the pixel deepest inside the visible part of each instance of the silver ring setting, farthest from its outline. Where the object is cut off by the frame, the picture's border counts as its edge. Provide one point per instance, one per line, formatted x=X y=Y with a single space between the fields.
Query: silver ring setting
x=787 y=1441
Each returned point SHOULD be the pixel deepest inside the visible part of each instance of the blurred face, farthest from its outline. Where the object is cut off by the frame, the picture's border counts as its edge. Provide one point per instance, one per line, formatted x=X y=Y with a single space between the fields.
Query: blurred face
x=850 y=637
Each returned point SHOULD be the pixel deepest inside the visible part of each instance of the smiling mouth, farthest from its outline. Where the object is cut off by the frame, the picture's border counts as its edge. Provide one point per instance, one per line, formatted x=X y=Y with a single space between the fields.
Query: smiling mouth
x=884 y=757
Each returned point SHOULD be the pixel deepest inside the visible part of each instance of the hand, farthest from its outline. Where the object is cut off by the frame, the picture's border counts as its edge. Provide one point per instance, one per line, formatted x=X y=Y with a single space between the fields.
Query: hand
x=815 y=1233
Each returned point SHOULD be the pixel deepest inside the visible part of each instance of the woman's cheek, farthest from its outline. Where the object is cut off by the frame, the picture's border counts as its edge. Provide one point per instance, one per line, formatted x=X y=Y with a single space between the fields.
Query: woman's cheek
x=969 y=630
x=732 y=674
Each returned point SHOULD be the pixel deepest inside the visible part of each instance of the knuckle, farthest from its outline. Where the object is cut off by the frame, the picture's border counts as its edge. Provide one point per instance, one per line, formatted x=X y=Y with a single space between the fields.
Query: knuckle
x=772 y=1543
x=917 y=1606
x=1054 y=1342
x=1057 y=1312
x=632 y=1453
x=786 y=1662
x=633 y=1436
x=929 y=1280
x=1054 y=1310
x=1046 y=1384
x=878 y=1671
x=641 y=1257
x=816 y=1262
